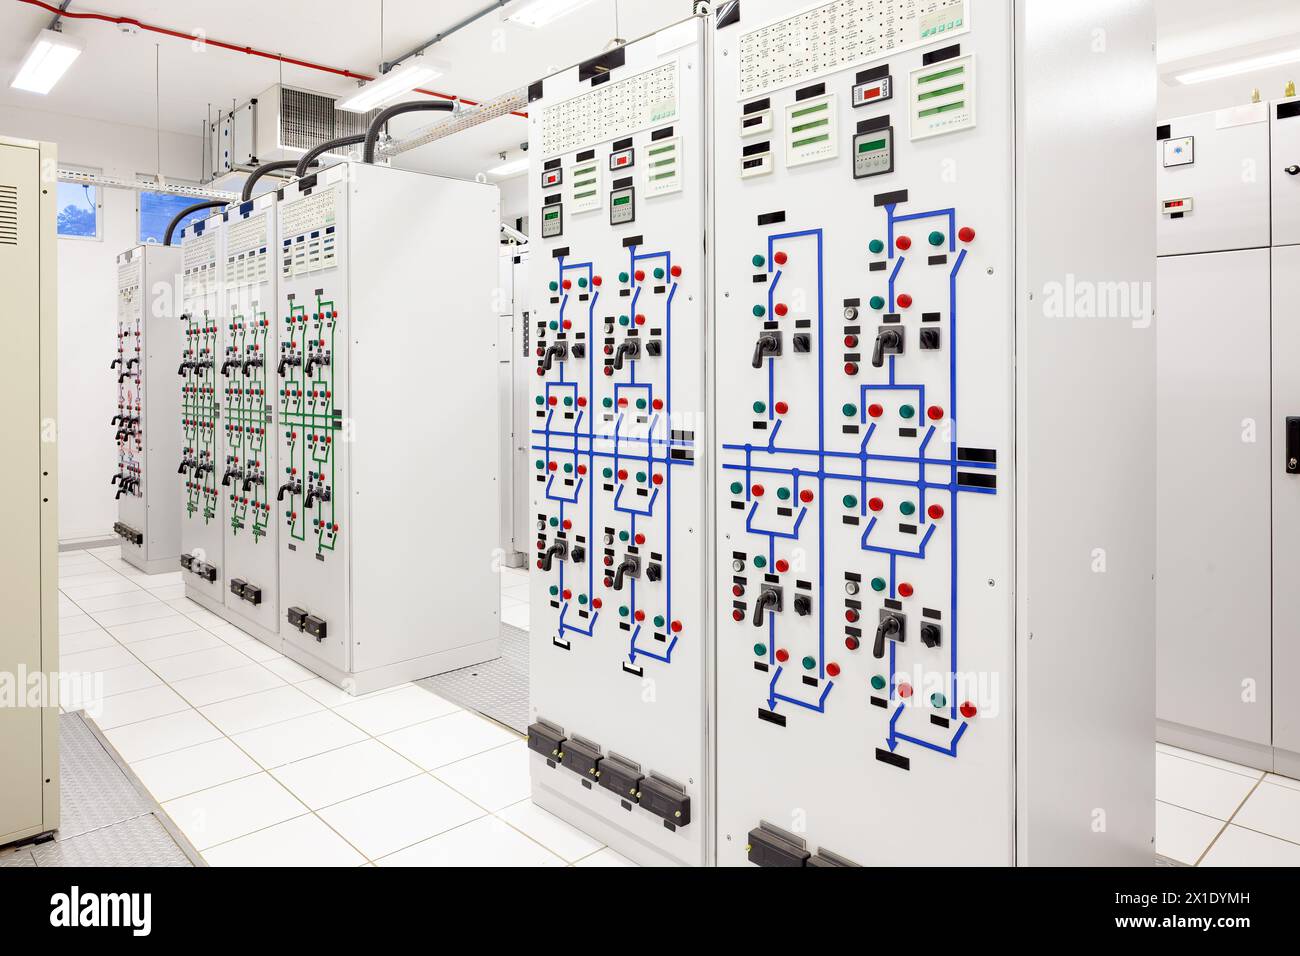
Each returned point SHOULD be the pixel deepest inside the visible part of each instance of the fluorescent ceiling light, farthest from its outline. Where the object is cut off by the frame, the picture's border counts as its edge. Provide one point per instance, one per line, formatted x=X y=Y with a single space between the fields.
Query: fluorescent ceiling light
x=540 y=13
x=1237 y=67
x=391 y=86
x=47 y=61
x=514 y=167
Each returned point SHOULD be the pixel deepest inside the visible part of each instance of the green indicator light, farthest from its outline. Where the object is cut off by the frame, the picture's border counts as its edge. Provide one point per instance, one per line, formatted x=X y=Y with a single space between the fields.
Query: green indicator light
x=568 y=402
x=659 y=273
x=876 y=246
x=608 y=403
x=878 y=584
x=760 y=561
x=555 y=522
x=623 y=277
x=582 y=283
x=877 y=302
x=937 y=238
x=759 y=311
x=878 y=683
x=568 y=469
x=850 y=501
x=809 y=663
x=907 y=508
x=760 y=408
x=622 y=612
x=659 y=620
x=554 y=590
x=640 y=403
x=623 y=320
x=907 y=411
x=938 y=700
x=759 y=262
x=608 y=472
x=783 y=494
x=622 y=536
x=554 y=325
x=760 y=650
x=582 y=599
x=850 y=410
x=538 y=400
x=540 y=466
x=555 y=287
x=737 y=487
x=640 y=476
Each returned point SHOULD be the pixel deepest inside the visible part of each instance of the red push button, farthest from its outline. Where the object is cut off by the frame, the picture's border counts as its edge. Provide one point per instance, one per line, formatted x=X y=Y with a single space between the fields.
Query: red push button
x=966 y=234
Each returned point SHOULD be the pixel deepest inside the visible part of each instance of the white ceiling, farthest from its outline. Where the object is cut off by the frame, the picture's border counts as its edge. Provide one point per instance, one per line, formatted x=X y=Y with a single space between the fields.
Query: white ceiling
x=114 y=80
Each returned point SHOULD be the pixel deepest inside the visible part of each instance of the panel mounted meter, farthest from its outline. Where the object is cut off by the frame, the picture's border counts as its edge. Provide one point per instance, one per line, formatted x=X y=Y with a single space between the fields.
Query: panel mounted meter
x=873 y=86
x=873 y=148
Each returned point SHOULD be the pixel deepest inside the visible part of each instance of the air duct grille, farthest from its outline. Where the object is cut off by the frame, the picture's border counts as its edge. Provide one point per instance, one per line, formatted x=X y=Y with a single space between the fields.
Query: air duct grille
x=8 y=215
x=309 y=119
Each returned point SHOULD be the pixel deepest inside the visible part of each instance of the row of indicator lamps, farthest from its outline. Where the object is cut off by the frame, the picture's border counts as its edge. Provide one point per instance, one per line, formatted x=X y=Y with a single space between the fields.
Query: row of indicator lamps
x=809 y=662
x=784 y=494
x=936 y=239
x=907 y=412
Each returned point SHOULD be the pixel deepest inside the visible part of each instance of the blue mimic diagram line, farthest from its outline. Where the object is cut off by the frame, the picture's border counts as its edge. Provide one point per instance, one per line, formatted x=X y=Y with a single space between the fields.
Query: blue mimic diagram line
x=821 y=474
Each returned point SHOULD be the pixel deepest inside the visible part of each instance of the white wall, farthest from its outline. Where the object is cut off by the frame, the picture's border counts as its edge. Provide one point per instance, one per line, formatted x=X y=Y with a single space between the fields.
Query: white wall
x=87 y=301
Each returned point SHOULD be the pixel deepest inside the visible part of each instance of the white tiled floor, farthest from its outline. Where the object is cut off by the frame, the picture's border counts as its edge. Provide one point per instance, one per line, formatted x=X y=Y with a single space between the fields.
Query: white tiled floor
x=260 y=763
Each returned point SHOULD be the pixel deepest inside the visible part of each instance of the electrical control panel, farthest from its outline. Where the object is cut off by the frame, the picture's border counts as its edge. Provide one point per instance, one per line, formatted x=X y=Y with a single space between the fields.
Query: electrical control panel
x=146 y=421
x=200 y=468
x=1285 y=146
x=619 y=637
x=248 y=354
x=871 y=613
x=387 y=329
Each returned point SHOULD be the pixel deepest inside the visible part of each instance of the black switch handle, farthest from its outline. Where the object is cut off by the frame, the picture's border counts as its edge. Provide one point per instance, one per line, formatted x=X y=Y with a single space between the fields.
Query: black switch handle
x=768 y=600
x=888 y=339
x=889 y=627
x=1293 y=446
x=767 y=345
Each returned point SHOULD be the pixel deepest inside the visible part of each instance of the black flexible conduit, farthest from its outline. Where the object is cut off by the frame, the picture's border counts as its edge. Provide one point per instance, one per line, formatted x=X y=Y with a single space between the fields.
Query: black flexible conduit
x=261 y=171
x=309 y=157
x=171 y=228
x=372 y=134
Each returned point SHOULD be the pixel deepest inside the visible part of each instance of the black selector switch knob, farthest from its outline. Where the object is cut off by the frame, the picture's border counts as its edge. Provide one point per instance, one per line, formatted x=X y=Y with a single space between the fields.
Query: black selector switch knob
x=630 y=349
x=560 y=351
x=930 y=635
x=930 y=339
x=802 y=605
x=891 y=628
x=654 y=348
x=630 y=566
x=769 y=344
x=579 y=350
x=888 y=342
x=558 y=550
x=653 y=572
x=578 y=554
x=802 y=343
x=769 y=599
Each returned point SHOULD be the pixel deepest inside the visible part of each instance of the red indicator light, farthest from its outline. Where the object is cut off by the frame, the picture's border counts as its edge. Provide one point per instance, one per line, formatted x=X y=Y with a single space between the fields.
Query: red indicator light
x=596 y=603
x=568 y=525
x=657 y=404
x=756 y=491
x=568 y=284
x=596 y=281
x=737 y=615
x=676 y=272
x=905 y=691
x=780 y=258
x=905 y=590
x=851 y=616
x=676 y=627
x=806 y=496
x=782 y=408
x=904 y=243
x=968 y=710
x=935 y=512
x=850 y=368
x=833 y=670
x=639 y=615
x=875 y=504
x=782 y=566
x=850 y=341
x=737 y=590
x=640 y=275
x=852 y=643
x=966 y=234
x=904 y=301
x=622 y=474
x=640 y=539
x=782 y=309
x=783 y=655
x=567 y=595
x=875 y=411
x=657 y=479
x=935 y=413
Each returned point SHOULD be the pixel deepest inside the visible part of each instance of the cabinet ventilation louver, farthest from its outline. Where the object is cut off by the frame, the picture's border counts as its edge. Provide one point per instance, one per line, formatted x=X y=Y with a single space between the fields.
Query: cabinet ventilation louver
x=307 y=119
x=8 y=215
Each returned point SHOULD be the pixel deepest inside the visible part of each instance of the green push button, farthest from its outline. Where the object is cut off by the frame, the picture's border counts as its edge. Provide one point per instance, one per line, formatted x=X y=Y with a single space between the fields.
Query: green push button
x=937 y=238
x=623 y=277
x=850 y=410
x=760 y=561
x=783 y=494
x=760 y=408
x=555 y=287
x=878 y=683
x=540 y=465
x=623 y=320
x=659 y=273
x=640 y=477
x=938 y=700
x=737 y=487
x=554 y=325
x=878 y=302
x=878 y=584
x=759 y=262
x=608 y=403
x=809 y=663
x=582 y=599
x=582 y=283
x=623 y=536
x=759 y=311
x=608 y=472
x=876 y=246
x=538 y=400
x=907 y=508
x=623 y=612
x=760 y=650
x=850 y=501
x=554 y=590
x=659 y=620
x=907 y=411
x=555 y=522
x=568 y=469
x=640 y=403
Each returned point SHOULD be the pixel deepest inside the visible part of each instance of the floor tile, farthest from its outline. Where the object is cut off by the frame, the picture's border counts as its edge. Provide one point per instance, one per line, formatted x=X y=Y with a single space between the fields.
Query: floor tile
x=122 y=709
x=163 y=580
x=111 y=602
x=173 y=645
x=199 y=663
x=124 y=680
x=226 y=685
x=68 y=607
x=484 y=842
x=339 y=775
x=80 y=591
x=195 y=612
x=515 y=616
x=299 y=738
x=333 y=696
x=1241 y=847
x=161 y=735
x=255 y=650
x=435 y=743
x=87 y=576
x=89 y=639
x=231 y=810
x=605 y=857
x=1280 y=781
x=135 y=631
x=100 y=659
x=401 y=708
x=260 y=709
x=151 y=611
x=494 y=780
x=168 y=592
x=302 y=841
x=288 y=670
x=1183 y=835
x=564 y=840
x=400 y=815
x=1273 y=810
x=1207 y=760
x=1199 y=787
x=193 y=769
x=229 y=633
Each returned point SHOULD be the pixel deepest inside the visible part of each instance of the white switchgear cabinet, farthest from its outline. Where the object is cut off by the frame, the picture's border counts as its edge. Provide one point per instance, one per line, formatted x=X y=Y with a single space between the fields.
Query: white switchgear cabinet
x=514 y=391
x=619 y=636
x=387 y=424
x=29 y=641
x=147 y=419
x=1229 y=494
x=934 y=433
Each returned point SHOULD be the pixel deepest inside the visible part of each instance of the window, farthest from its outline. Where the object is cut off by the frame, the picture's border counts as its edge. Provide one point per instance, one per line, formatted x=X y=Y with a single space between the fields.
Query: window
x=157 y=211
x=78 y=211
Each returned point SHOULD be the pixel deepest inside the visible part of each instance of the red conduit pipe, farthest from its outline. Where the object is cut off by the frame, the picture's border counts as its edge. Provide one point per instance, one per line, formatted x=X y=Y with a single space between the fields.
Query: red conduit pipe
x=234 y=48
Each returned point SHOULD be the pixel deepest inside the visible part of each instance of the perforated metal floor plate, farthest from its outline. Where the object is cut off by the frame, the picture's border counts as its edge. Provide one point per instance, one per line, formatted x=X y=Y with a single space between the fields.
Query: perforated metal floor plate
x=496 y=689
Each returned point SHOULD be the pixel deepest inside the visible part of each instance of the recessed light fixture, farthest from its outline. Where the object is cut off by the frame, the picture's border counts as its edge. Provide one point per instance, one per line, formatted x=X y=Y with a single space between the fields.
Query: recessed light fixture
x=540 y=13
x=514 y=167
x=393 y=85
x=1237 y=67
x=47 y=61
